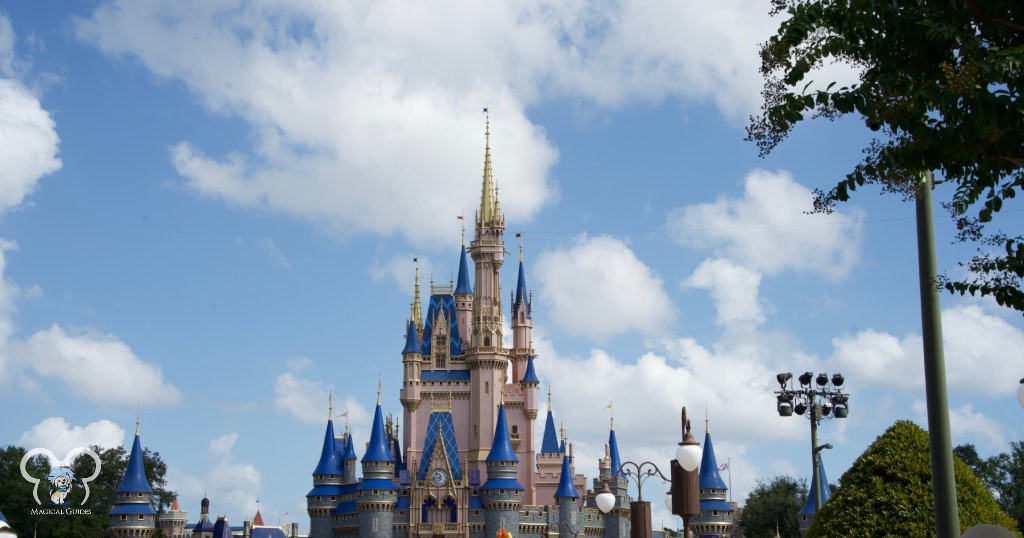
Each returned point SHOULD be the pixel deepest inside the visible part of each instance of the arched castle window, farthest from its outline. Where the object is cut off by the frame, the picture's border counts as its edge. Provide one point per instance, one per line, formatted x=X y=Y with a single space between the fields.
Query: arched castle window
x=487 y=341
x=487 y=387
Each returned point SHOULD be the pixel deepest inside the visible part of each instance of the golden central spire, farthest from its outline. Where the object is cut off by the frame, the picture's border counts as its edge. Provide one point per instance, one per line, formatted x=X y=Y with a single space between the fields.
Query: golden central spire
x=416 y=313
x=488 y=208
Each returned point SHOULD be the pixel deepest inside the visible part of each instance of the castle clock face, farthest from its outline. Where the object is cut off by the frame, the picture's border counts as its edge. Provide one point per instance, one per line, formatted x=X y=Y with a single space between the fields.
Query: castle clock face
x=438 y=477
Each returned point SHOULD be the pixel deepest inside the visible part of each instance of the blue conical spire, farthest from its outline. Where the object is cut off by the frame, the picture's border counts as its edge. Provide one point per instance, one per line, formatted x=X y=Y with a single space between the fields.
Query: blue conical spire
x=531 y=374
x=613 y=449
x=709 y=476
x=329 y=462
x=826 y=490
x=412 y=340
x=550 y=443
x=134 y=480
x=462 y=284
x=501 y=448
x=377 y=450
x=521 y=297
x=566 y=489
x=350 y=449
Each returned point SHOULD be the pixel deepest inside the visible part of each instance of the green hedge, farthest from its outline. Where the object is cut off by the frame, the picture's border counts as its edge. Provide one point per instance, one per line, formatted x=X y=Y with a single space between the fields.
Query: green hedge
x=888 y=492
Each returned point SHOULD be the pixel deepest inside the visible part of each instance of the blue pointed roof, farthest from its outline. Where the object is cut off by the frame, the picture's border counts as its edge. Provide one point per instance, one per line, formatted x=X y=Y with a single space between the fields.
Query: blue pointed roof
x=204 y=524
x=221 y=529
x=566 y=489
x=412 y=340
x=531 y=374
x=709 y=476
x=350 y=449
x=442 y=302
x=826 y=490
x=501 y=448
x=134 y=480
x=550 y=443
x=440 y=427
x=377 y=450
x=613 y=449
x=521 y=296
x=561 y=448
x=330 y=462
x=462 y=284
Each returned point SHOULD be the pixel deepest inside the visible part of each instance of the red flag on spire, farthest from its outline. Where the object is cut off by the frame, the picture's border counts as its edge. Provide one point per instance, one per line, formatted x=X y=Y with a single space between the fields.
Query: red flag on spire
x=519 y=235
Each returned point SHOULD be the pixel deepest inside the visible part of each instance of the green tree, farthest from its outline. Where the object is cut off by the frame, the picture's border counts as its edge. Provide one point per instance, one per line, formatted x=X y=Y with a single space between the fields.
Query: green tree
x=941 y=81
x=17 y=502
x=1008 y=471
x=773 y=504
x=888 y=492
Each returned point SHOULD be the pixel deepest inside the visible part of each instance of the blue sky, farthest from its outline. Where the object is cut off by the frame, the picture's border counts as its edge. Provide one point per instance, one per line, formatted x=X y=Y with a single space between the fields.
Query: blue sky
x=210 y=208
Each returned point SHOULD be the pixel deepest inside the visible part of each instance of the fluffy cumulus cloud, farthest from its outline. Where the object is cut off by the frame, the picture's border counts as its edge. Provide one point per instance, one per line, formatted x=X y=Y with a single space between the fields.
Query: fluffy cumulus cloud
x=597 y=287
x=233 y=483
x=59 y=437
x=366 y=114
x=979 y=347
x=769 y=229
x=28 y=135
x=307 y=400
x=672 y=373
x=734 y=289
x=94 y=366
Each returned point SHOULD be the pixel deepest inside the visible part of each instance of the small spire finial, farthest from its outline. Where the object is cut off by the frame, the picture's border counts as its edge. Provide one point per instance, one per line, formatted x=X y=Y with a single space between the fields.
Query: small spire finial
x=462 y=221
x=612 y=414
x=549 y=398
x=707 y=422
x=330 y=403
x=416 y=314
x=379 y=387
x=138 y=413
x=520 y=236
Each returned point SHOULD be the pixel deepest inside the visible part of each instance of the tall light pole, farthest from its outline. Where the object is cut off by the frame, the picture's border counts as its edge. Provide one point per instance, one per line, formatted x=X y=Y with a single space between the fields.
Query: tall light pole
x=824 y=398
x=684 y=486
x=947 y=519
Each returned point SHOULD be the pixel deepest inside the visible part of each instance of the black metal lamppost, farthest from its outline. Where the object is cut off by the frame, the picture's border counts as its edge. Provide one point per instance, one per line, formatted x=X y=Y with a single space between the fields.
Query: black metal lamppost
x=824 y=401
x=683 y=499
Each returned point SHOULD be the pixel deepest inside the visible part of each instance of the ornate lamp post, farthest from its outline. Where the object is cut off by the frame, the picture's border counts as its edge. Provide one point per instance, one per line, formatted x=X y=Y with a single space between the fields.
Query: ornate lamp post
x=826 y=400
x=684 y=486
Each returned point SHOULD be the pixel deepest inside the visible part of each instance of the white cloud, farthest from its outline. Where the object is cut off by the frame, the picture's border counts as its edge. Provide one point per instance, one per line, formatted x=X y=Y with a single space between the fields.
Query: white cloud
x=769 y=228
x=734 y=289
x=225 y=480
x=979 y=348
x=6 y=46
x=367 y=116
x=97 y=367
x=28 y=140
x=59 y=437
x=968 y=426
x=307 y=400
x=598 y=288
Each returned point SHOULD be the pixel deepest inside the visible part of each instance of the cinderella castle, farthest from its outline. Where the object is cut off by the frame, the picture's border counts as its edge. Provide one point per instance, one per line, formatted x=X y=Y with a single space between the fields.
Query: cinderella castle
x=463 y=463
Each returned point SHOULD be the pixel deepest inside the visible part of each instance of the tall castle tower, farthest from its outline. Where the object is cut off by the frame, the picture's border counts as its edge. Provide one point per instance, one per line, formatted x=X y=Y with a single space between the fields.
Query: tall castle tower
x=716 y=515
x=132 y=514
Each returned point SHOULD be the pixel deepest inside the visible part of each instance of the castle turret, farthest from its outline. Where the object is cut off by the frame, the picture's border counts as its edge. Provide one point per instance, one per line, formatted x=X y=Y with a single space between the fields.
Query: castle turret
x=172 y=522
x=807 y=513
x=522 y=323
x=502 y=493
x=349 y=459
x=488 y=361
x=204 y=528
x=464 y=298
x=565 y=497
x=377 y=494
x=132 y=514
x=716 y=515
x=616 y=521
x=327 y=480
x=412 y=364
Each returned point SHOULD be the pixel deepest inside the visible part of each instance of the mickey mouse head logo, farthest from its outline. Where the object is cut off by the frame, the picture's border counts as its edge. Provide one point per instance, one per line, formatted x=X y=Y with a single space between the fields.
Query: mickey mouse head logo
x=61 y=478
